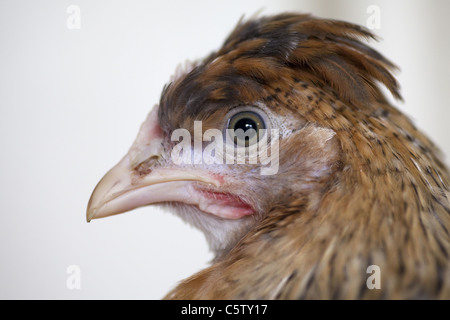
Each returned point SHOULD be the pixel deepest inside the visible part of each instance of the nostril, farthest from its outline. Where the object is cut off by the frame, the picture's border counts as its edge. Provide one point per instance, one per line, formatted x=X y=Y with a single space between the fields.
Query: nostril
x=145 y=167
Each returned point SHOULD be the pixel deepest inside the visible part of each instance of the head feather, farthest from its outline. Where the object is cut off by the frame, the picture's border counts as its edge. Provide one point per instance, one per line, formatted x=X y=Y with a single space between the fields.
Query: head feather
x=328 y=54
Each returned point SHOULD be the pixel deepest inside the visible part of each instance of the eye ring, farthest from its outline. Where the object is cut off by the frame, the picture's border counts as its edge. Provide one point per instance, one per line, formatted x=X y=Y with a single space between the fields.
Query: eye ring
x=244 y=125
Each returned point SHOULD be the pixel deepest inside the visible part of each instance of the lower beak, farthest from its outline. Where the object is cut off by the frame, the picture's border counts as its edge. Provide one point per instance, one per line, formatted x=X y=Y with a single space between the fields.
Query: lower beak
x=122 y=189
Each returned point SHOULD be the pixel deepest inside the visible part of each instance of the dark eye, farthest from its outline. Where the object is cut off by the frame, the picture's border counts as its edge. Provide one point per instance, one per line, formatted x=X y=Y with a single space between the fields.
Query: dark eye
x=244 y=127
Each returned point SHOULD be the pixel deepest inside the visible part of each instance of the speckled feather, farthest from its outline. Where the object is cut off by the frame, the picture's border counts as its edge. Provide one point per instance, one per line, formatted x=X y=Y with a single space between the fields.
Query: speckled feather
x=358 y=184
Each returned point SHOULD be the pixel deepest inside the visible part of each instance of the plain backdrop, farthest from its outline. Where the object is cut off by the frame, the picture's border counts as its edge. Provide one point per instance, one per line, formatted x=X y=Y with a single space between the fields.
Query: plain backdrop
x=72 y=100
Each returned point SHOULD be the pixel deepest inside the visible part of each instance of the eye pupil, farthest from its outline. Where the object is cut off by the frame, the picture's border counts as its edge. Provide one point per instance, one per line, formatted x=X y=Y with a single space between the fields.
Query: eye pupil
x=246 y=127
x=245 y=124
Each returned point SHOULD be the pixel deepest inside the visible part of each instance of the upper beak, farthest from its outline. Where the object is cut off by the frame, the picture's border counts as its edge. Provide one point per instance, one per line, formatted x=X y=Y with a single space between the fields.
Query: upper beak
x=136 y=182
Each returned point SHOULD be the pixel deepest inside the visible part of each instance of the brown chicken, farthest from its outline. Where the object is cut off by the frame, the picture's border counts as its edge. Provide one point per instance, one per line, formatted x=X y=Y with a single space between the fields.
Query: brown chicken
x=354 y=202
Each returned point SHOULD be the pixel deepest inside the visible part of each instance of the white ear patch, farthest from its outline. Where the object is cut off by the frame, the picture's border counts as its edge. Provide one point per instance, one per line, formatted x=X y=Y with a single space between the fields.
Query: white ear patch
x=321 y=135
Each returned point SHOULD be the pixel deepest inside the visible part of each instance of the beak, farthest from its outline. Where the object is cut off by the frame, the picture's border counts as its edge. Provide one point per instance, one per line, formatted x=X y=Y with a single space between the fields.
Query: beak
x=139 y=179
x=118 y=191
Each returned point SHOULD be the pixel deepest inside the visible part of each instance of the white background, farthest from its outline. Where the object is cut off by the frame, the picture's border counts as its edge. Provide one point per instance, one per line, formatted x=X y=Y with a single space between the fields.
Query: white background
x=71 y=102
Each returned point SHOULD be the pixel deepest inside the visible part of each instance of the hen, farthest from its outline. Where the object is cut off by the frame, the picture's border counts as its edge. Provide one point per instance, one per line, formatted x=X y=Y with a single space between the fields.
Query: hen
x=342 y=187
